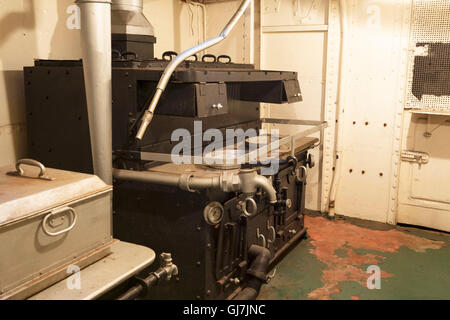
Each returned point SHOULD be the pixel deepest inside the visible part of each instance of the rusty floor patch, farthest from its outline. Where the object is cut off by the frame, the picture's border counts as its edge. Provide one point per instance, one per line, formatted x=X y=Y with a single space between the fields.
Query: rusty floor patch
x=338 y=245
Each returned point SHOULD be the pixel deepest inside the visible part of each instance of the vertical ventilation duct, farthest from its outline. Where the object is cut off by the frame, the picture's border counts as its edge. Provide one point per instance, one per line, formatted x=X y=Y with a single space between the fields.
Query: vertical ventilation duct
x=96 y=48
x=128 y=18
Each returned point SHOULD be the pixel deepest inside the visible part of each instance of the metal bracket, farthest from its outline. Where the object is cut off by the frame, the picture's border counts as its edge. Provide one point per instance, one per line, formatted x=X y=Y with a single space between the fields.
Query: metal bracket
x=415 y=156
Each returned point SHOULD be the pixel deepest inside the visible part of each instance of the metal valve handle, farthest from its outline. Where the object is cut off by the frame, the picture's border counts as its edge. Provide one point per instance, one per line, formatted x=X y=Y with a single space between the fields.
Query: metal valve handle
x=55 y=212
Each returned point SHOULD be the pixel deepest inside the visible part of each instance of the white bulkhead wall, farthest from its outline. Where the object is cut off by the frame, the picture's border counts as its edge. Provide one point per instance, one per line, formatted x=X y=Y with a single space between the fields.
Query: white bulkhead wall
x=371 y=108
x=377 y=51
x=28 y=30
x=304 y=36
x=49 y=29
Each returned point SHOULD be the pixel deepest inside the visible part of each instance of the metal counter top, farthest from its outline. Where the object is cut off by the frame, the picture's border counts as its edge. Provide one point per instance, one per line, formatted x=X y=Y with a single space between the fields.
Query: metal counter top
x=126 y=260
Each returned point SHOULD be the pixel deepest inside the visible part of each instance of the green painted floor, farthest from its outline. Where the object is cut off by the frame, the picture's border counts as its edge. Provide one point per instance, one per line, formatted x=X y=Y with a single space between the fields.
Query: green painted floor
x=332 y=263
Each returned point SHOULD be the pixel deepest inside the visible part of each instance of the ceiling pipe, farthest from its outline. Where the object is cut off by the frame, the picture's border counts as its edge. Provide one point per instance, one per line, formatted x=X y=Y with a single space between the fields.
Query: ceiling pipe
x=165 y=78
x=96 y=53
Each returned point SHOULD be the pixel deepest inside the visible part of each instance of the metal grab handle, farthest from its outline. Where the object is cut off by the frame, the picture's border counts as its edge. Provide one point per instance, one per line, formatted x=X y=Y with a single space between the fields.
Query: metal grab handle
x=169 y=54
x=224 y=57
x=30 y=162
x=254 y=207
x=193 y=56
x=209 y=56
x=117 y=53
x=124 y=56
x=55 y=212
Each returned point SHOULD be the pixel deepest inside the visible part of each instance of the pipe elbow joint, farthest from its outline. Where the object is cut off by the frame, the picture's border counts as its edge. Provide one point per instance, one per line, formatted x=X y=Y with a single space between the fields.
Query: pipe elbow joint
x=266 y=185
x=250 y=181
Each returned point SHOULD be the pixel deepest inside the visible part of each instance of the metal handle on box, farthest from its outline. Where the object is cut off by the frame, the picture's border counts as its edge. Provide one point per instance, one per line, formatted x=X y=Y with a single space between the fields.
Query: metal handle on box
x=55 y=212
x=30 y=162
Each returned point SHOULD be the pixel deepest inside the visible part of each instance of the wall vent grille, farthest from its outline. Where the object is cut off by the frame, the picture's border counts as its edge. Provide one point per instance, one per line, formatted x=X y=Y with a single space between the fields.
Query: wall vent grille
x=429 y=56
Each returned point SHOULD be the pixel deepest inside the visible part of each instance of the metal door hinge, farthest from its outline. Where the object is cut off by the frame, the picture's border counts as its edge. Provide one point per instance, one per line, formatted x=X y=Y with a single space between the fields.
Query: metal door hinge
x=415 y=156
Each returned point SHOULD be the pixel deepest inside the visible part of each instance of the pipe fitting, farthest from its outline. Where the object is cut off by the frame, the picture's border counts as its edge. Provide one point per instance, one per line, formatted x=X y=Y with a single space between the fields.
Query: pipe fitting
x=166 y=271
x=166 y=264
x=229 y=182
x=250 y=181
x=246 y=181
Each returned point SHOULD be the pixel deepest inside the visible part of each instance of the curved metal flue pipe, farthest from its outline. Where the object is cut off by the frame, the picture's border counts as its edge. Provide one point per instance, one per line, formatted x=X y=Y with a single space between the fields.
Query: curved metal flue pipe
x=148 y=115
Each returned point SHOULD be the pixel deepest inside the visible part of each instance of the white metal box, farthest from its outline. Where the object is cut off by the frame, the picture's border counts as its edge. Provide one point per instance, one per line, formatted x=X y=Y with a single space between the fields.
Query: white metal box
x=56 y=220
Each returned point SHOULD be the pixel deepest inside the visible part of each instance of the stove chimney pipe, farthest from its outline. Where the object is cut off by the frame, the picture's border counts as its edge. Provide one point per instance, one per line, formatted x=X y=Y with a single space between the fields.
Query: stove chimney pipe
x=96 y=52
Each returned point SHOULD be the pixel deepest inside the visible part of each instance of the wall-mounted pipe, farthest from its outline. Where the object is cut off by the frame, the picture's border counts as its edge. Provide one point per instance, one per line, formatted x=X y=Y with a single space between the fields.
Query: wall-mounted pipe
x=340 y=108
x=148 y=115
x=96 y=53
